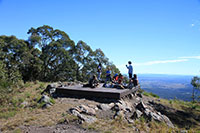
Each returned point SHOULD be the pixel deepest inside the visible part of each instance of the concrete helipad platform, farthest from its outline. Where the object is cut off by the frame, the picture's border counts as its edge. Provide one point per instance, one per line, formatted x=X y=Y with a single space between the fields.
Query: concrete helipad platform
x=100 y=92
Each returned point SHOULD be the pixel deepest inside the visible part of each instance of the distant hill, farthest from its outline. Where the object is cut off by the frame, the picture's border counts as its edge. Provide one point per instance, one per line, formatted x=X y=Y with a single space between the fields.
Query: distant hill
x=167 y=86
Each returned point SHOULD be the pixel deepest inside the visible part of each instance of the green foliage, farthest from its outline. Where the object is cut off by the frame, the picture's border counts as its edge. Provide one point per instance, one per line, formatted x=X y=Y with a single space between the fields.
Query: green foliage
x=150 y=94
x=48 y=55
x=126 y=80
x=196 y=86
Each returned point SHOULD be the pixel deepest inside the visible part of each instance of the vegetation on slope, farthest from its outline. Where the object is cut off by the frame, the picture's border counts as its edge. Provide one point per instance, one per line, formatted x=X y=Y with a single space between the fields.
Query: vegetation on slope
x=184 y=115
x=47 y=55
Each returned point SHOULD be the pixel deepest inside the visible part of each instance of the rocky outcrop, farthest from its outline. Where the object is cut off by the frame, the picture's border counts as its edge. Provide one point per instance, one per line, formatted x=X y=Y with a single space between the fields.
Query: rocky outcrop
x=84 y=113
x=150 y=114
x=87 y=110
x=46 y=100
x=105 y=107
x=135 y=107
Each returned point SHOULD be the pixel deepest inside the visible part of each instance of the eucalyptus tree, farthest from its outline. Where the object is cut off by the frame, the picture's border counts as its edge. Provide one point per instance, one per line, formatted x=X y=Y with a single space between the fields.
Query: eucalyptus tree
x=57 y=53
x=13 y=54
x=196 y=86
x=83 y=57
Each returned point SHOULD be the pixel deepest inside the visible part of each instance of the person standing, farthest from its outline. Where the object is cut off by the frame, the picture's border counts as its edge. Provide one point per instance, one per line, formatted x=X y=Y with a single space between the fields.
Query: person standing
x=108 y=75
x=99 y=67
x=130 y=69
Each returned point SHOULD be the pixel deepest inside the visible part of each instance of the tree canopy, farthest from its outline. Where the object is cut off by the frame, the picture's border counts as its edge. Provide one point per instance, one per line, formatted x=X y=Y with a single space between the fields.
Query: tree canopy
x=49 y=55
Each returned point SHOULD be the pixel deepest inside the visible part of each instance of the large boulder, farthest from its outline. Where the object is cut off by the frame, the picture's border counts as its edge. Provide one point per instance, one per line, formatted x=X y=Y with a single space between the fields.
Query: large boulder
x=137 y=114
x=123 y=105
x=44 y=99
x=51 y=88
x=87 y=119
x=141 y=106
x=87 y=110
x=167 y=121
x=104 y=107
x=119 y=113
x=82 y=117
x=74 y=111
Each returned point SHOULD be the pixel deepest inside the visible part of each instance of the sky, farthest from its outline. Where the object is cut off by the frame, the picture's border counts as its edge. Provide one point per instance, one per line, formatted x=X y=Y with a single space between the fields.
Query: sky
x=158 y=36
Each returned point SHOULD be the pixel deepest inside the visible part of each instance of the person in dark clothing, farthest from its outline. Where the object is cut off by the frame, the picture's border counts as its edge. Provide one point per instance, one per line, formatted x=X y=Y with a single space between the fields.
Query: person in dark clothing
x=93 y=82
x=135 y=80
x=99 y=67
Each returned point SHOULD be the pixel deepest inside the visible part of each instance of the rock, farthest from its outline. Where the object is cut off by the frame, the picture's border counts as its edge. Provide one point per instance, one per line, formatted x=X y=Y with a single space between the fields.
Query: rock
x=131 y=96
x=122 y=105
x=137 y=114
x=128 y=106
x=93 y=106
x=46 y=105
x=130 y=121
x=74 y=111
x=167 y=121
x=104 y=107
x=24 y=104
x=147 y=112
x=183 y=131
x=52 y=90
x=45 y=99
x=158 y=117
x=141 y=106
x=152 y=116
x=138 y=99
x=87 y=119
x=111 y=105
x=119 y=106
x=155 y=116
x=119 y=114
x=139 y=95
x=87 y=110
x=75 y=108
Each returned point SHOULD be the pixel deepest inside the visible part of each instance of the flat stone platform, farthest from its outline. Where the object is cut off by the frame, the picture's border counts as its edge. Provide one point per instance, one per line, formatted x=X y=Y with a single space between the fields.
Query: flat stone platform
x=100 y=92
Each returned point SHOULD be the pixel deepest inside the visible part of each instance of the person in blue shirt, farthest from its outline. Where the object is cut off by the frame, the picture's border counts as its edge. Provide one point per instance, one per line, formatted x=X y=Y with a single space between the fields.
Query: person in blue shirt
x=108 y=75
x=130 y=69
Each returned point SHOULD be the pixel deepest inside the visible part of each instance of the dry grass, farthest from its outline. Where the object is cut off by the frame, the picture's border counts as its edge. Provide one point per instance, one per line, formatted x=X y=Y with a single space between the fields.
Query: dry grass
x=34 y=115
x=11 y=117
x=120 y=125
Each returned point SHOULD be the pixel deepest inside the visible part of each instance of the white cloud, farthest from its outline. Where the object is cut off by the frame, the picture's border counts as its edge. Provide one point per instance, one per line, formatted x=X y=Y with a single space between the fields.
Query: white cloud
x=160 y=62
x=190 y=57
x=192 y=25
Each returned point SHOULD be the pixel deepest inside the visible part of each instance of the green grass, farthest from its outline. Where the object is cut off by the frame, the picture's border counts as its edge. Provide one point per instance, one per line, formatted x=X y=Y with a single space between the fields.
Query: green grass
x=17 y=131
x=52 y=101
x=41 y=87
x=150 y=94
x=27 y=95
x=7 y=114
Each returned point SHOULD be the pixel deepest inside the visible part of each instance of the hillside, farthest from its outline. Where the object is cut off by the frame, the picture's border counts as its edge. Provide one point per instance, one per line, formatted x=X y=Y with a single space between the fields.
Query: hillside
x=72 y=114
x=167 y=86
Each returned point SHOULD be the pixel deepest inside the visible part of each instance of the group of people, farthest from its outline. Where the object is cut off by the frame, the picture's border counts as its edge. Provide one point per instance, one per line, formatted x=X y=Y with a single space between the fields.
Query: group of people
x=114 y=82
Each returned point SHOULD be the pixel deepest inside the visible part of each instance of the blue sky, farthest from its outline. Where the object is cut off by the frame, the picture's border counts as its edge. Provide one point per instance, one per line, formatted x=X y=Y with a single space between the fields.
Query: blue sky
x=158 y=36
